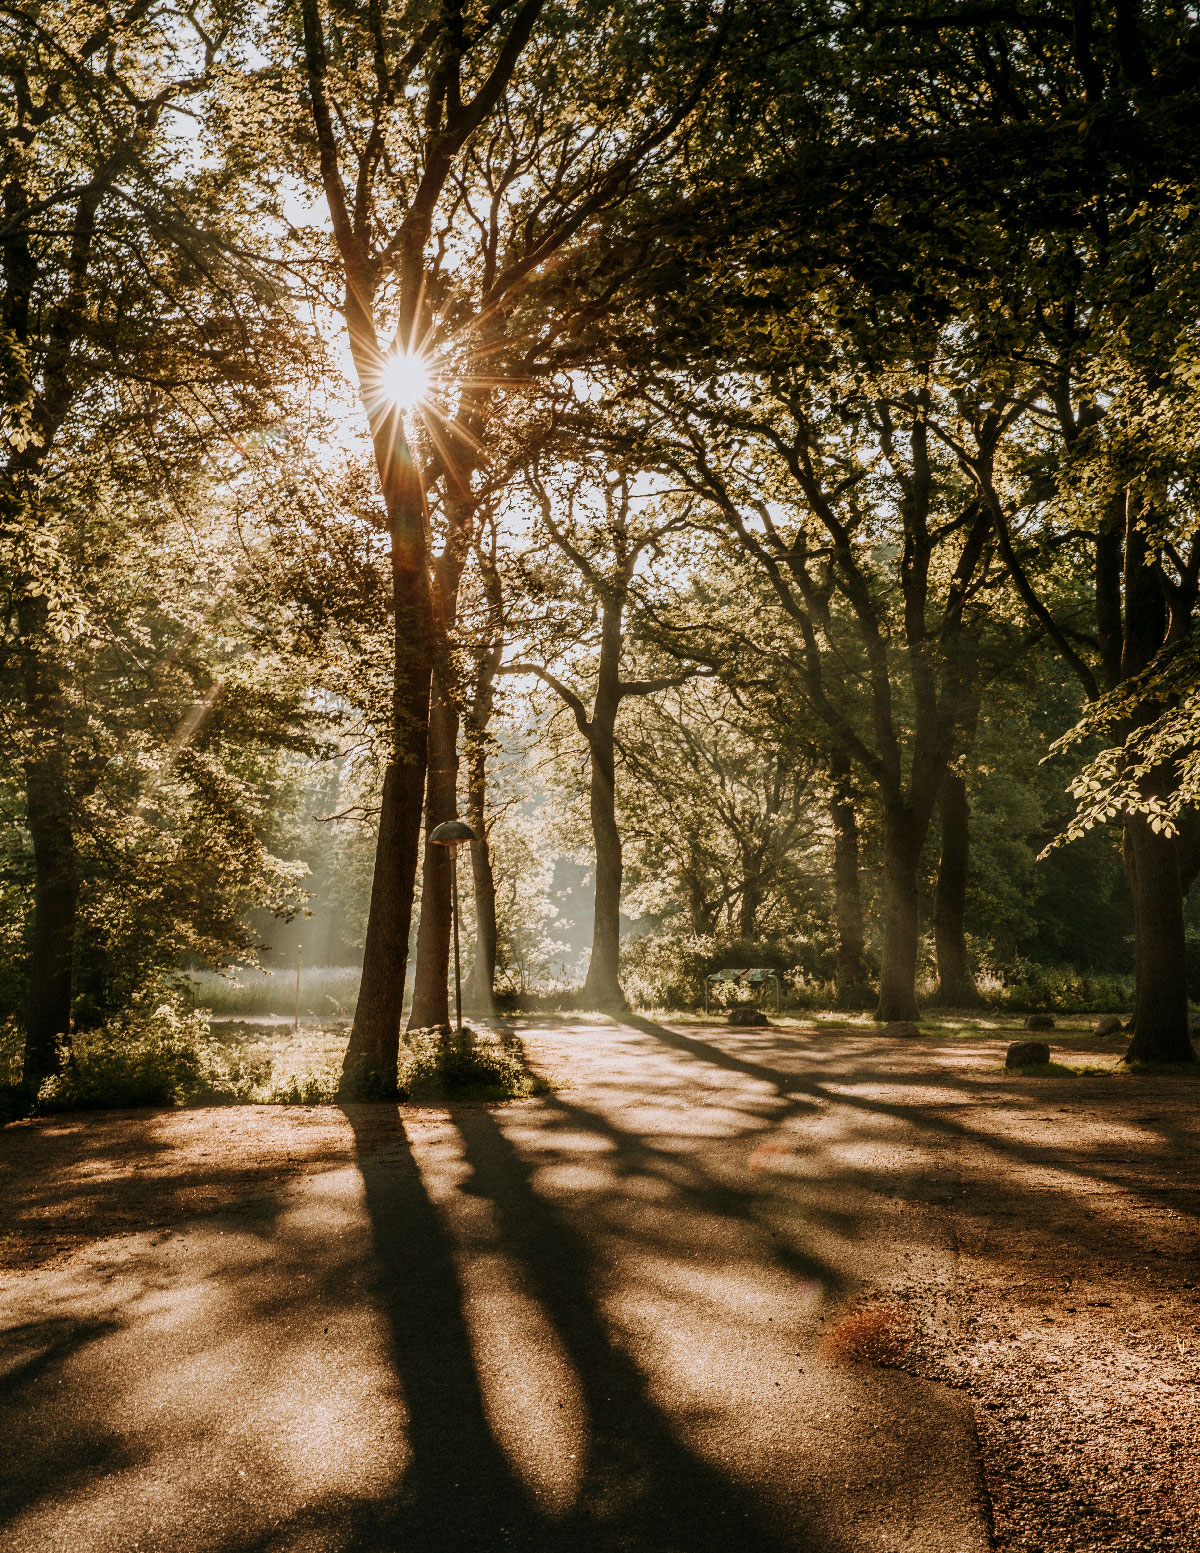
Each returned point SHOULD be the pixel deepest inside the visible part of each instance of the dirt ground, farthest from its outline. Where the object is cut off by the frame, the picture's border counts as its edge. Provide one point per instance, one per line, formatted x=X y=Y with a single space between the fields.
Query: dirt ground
x=1079 y=1310
x=1072 y=1202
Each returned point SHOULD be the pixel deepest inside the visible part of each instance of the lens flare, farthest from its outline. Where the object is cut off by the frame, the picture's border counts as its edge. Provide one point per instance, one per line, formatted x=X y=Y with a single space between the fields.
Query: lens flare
x=404 y=379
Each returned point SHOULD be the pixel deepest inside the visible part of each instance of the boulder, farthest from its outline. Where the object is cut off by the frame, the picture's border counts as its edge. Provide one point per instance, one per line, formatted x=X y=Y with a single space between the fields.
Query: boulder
x=747 y=1014
x=1109 y=1025
x=901 y=1027
x=1040 y=1022
x=1028 y=1054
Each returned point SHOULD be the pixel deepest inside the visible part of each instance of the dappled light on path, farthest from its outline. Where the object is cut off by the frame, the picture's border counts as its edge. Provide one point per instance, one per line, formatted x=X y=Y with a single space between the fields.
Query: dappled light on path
x=697 y=1300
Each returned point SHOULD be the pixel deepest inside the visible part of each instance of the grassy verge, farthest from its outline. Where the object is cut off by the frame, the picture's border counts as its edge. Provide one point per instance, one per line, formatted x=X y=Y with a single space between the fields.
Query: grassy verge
x=1100 y=1067
x=326 y=992
x=169 y=1057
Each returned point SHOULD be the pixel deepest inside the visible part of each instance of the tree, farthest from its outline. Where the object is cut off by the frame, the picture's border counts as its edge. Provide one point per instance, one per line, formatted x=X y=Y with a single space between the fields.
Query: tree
x=853 y=972
x=718 y=809
x=473 y=150
x=1092 y=142
x=599 y=531
x=877 y=555
x=135 y=336
x=484 y=649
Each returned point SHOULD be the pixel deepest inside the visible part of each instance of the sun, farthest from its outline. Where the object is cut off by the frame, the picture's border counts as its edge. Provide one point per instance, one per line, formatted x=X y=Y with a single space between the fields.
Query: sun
x=404 y=379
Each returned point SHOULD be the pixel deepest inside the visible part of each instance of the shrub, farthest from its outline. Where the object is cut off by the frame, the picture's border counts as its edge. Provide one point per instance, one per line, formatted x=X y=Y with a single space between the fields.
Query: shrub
x=161 y=1057
x=666 y=970
x=440 y=1064
x=12 y=1053
x=1058 y=989
x=312 y=1086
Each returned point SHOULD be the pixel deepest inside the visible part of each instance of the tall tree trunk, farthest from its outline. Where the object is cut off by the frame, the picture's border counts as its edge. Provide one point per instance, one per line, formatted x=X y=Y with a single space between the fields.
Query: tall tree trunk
x=602 y=986
x=430 y=1004
x=369 y=1066
x=49 y=808
x=1160 y=1025
x=956 y=984
x=55 y=909
x=902 y=837
x=481 y=984
x=1160 y=1013
x=852 y=971
x=751 y=902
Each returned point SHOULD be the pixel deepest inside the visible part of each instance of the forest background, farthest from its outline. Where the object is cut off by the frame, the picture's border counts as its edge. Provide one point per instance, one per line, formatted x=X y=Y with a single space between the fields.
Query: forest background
x=740 y=457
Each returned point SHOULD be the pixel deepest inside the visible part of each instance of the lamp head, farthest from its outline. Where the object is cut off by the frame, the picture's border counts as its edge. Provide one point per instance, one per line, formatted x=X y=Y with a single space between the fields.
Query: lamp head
x=451 y=833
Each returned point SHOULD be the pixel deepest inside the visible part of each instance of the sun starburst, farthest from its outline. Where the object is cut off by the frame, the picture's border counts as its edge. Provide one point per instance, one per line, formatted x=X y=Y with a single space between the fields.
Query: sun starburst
x=404 y=379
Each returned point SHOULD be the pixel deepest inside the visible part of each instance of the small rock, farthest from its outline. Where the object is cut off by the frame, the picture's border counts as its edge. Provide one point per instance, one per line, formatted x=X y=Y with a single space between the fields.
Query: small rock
x=747 y=1014
x=1028 y=1054
x=1109 y=1025
x=1040 y=1022
x=901 y=1027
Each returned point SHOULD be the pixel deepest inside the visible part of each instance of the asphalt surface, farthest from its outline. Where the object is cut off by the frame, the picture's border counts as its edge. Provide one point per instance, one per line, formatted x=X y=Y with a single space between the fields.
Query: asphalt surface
x=605 y=1319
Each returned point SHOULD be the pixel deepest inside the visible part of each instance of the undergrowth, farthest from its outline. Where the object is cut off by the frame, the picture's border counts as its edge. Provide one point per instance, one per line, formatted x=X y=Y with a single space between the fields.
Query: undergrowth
x=168 y=1056
x=441 y=1064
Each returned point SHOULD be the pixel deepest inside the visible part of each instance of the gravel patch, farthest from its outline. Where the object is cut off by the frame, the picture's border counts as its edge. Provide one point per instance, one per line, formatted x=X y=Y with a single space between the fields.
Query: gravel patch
x=1078 y=1303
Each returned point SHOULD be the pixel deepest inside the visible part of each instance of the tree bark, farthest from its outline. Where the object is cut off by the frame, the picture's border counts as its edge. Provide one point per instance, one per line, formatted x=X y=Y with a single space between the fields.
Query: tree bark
x=902 y=837
x=430 y=1004
x=852 y=971
x=369 y=1066
x=55 y=910
x=1160 y=1012
x=1152 y=861
x=956 y=983
x=602 y=986
x=751 y=902
x=480 y=989
x=481 y=984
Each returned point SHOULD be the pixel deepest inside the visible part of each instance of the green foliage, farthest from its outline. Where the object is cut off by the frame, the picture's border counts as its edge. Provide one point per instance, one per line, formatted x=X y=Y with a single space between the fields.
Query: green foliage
x=442 y=1065
x=310 y=1086
x=1059 y=989
x=163 y=1057
x=666 y=969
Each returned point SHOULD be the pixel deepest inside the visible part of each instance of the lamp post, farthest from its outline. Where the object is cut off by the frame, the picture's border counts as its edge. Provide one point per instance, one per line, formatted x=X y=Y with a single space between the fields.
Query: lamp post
x=452 y=834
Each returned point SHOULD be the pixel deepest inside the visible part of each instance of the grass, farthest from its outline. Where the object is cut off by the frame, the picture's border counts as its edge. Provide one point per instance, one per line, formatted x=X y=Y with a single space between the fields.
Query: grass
x=326 y=992
x=1103 y=1067
x=168 y=1056
x=1069 y=1069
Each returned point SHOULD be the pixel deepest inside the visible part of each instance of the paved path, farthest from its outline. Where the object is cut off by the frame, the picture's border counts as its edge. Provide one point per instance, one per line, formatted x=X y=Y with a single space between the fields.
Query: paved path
x=591 y=1322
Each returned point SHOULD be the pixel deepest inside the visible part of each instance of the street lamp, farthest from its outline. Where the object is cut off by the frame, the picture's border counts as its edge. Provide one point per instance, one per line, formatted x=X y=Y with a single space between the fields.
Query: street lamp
x=452 y=834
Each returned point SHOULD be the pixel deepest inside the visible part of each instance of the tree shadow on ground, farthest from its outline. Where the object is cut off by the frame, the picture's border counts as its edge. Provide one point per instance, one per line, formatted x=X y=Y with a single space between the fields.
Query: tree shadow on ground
x=31 y=1356
x=951 y=1120
x=642 y=1489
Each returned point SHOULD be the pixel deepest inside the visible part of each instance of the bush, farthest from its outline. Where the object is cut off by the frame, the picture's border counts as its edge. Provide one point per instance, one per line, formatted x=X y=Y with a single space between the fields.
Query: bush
x=312 y=1086
x=440 y=1064
x=1057 y=989
x=12 y=1053
x=164 y=1057
x=666 y=970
